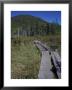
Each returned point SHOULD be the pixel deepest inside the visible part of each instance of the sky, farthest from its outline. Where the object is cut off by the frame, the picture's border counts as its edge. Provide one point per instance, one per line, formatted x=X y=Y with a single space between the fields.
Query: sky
x=49 y=16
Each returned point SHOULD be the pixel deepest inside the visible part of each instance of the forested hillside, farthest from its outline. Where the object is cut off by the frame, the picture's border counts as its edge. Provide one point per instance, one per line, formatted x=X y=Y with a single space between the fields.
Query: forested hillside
x=27 y=25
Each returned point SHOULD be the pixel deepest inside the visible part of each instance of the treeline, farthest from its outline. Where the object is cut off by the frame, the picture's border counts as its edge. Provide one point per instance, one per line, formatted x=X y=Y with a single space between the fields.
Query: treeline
x=33 y=26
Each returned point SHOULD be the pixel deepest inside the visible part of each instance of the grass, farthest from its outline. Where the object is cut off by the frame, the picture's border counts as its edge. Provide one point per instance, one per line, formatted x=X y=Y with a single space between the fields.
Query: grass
x=25 y=61
x=25 y=57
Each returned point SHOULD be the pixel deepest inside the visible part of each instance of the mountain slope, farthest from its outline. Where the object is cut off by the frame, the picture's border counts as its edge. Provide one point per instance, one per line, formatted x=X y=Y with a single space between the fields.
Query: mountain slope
x=31 y=25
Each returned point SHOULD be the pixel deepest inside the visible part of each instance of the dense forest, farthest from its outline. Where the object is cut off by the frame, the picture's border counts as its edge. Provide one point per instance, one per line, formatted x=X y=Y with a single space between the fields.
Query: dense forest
x=26 y=25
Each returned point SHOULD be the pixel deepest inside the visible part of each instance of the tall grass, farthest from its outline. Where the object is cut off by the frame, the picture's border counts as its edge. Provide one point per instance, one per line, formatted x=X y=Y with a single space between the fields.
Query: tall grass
x=25 y=60
x=25 y=57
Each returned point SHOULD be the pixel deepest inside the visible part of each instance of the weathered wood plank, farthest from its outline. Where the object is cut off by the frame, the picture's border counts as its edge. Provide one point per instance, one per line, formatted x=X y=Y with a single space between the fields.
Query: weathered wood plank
x=45 y=67
x=57 y=63
x=47 y=64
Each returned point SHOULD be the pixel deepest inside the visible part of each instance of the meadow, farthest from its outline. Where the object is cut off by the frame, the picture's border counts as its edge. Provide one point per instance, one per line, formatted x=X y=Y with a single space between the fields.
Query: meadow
x=25 y=56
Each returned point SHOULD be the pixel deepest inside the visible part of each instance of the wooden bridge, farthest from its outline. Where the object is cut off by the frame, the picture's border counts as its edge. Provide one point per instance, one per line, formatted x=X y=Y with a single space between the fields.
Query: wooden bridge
x=50 y=66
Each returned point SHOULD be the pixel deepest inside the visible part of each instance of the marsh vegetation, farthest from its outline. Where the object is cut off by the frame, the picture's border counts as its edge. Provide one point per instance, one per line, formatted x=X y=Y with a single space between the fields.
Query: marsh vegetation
x=25 y=56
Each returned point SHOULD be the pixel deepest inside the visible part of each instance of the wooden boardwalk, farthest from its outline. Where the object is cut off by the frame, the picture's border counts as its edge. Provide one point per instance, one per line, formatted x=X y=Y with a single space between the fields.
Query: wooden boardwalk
x=46 y=65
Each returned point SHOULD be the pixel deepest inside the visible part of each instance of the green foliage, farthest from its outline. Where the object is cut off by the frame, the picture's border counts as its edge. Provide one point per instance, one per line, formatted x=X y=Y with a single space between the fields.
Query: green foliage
x=31 y=26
